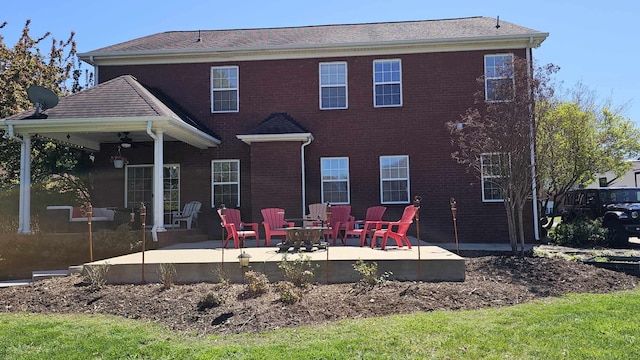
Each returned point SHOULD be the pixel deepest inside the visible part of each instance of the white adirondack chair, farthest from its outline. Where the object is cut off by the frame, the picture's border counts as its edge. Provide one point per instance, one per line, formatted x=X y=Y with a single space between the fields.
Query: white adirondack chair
x=189 y=214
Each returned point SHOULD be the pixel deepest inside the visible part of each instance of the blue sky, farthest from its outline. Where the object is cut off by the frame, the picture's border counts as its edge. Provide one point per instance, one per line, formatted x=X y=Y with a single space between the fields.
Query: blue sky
x=593 y=42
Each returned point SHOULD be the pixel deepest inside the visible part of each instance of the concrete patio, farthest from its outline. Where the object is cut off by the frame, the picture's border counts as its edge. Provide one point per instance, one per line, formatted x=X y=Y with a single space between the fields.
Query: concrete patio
x=207 y=261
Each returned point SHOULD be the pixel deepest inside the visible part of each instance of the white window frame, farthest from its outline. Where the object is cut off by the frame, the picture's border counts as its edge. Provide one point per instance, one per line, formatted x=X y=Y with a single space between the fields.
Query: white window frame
x=398 y=178
x=332 y=84
x=495 y=76
x=389 y=82
x=225 y=89
x=324 y=181
x=486 y=178
x=214 y=183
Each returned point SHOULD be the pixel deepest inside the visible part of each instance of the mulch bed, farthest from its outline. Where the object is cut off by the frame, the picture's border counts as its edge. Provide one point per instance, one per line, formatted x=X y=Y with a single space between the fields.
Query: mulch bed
x=491 y=281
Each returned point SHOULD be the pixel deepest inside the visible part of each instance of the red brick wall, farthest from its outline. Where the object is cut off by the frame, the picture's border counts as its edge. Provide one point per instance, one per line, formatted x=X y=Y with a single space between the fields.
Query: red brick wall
x=436 y=88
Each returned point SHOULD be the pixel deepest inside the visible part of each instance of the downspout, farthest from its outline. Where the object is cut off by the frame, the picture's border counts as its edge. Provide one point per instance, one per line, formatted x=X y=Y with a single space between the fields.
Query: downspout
x=304 y=182
x=154 y=229
x=534 y=188
x=11 y=135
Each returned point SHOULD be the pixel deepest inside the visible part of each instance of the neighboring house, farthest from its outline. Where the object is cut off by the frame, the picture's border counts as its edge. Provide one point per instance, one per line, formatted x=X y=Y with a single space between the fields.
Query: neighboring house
x=285 y=117
x=630 y=179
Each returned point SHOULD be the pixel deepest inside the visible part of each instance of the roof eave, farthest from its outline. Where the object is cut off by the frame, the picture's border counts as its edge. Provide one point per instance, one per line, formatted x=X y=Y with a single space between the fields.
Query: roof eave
x=248 y=139
x=446 y=44
x=173 y=127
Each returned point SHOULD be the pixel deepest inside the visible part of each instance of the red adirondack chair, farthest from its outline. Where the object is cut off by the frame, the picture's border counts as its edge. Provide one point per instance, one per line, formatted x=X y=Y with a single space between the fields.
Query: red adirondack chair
x=373 y=216
x=236 y=228
x=396 y=230
x=340 y=216
x=273 y=222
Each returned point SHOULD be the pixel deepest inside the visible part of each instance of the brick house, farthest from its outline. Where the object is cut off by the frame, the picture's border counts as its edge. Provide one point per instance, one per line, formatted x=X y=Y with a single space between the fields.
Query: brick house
x=285 y=117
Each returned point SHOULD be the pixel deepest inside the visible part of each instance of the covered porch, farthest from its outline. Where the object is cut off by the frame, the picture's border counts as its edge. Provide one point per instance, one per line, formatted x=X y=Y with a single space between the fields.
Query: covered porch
x=118 y=114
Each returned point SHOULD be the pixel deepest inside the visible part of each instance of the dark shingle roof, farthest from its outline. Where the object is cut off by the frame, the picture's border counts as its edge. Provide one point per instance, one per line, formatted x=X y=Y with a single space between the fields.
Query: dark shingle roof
x=278 y=123
x=121 y=97
x=325 y=35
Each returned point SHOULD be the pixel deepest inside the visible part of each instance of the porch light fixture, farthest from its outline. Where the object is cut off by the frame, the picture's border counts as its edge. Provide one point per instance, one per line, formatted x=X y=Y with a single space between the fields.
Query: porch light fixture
x=118 y=160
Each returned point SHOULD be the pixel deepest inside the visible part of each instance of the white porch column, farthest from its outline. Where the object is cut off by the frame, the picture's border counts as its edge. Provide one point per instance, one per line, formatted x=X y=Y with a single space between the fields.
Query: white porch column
x=24 y=217
x=158 y=180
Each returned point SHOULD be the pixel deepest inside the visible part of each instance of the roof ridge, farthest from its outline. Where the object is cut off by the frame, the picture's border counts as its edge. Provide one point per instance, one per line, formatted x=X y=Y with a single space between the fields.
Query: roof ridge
x=324 y=25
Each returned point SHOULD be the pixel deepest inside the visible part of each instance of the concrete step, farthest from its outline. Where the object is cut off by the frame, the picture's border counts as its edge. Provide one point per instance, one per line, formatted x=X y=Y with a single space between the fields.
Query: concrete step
x=48 y=274
x=7 y=283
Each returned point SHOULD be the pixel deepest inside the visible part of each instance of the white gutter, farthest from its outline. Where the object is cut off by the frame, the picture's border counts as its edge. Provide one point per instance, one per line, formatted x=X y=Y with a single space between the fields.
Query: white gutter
x=175 y=128
x=248 y=139
x=534 y=188
x=304 y=182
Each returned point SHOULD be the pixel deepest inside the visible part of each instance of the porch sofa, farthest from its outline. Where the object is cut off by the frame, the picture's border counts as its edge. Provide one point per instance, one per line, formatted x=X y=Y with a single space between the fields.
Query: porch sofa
x=64 y=218
x=75 y=213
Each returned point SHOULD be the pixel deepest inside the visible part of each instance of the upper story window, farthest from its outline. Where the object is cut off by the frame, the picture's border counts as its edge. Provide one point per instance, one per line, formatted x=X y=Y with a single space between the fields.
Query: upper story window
x=335 y=180
x=224 y=89
x=225 y=183
x=490 y=170
x=498 y=77
x=387 y=83
x=333 y=85
x=394 y=179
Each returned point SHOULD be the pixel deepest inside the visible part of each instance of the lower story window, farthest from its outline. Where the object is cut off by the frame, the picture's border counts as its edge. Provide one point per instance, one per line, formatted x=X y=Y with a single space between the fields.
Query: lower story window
x=225 y=184
x=335 y=180
x=490 y=168
x=394 y=179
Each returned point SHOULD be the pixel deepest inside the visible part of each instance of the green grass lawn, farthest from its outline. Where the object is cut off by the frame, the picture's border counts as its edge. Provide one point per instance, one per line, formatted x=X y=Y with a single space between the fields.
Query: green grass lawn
x=571 y=327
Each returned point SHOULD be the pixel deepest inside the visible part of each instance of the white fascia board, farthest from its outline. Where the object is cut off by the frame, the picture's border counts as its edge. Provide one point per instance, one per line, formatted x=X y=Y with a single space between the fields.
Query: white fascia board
x=171 y=126
x=314 y=51
x=248 y=139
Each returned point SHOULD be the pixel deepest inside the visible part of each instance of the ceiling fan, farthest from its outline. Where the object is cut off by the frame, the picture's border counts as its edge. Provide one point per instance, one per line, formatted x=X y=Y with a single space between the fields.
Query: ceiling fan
x=125 y=141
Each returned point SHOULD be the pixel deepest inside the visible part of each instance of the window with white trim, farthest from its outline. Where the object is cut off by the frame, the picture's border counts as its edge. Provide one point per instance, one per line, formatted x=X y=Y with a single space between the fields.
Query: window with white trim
x=394 y=179
x=335 y=179
x=333 y=85
x=387 y=83
x=225 y=183
x=490 y=170
x=498 y=77
x=224 y=89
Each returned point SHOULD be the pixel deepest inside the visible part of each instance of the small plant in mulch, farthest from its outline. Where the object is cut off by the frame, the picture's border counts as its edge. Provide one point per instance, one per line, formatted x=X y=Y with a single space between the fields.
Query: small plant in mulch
x=210 y=300
x=96 y=275
x=256 y=285
x=289 y=293
x=298 y=271
x=369 y=274
x=221 y=276
x=167 y=275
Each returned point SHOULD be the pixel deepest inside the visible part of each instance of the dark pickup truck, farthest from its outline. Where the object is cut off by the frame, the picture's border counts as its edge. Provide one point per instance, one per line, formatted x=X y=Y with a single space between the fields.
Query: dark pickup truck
x=619 y=209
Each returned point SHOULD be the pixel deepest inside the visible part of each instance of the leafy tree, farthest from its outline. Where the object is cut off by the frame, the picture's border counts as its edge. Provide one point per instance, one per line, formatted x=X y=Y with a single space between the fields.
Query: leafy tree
x=578 y=139
x=57 y=69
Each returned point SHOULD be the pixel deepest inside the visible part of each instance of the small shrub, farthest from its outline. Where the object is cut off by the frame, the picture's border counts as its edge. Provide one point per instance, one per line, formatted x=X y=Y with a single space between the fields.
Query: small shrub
x=167 y=275
x=579 y=233
x=299 y=271
x=257 y=283
x=221 y=276
x=96 y=275
x=210 y=300
x=369 y=273
x=289 y=293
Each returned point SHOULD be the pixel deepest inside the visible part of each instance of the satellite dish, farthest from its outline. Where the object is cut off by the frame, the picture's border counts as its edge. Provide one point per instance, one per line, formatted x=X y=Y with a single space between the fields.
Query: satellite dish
x=42 y=97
